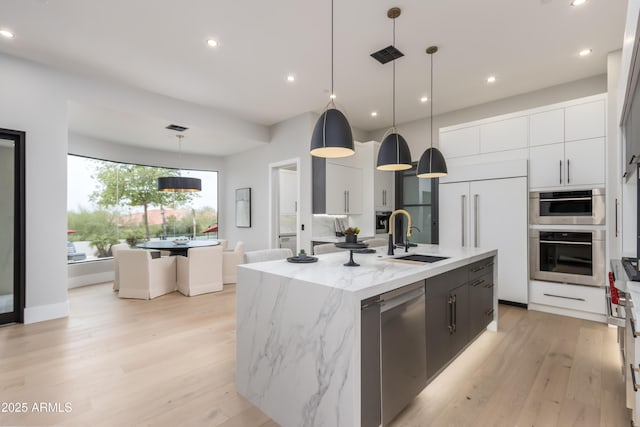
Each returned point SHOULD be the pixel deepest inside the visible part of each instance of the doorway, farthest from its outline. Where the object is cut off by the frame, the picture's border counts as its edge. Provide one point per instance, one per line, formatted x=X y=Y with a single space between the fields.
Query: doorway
x=284 y=223
x=12 y=229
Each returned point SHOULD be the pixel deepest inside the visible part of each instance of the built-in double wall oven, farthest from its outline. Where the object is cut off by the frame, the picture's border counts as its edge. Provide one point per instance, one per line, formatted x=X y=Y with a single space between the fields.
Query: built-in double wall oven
x=567 y=242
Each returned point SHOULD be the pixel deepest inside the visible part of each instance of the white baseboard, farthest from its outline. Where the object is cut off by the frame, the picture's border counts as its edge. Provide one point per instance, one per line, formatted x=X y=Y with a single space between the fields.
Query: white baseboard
x=570 y=313
x=40 y=313
x=90 y=279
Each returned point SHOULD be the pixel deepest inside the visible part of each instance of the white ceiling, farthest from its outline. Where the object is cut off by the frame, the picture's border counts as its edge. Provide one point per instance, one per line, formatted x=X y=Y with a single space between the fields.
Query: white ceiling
x=160 y=46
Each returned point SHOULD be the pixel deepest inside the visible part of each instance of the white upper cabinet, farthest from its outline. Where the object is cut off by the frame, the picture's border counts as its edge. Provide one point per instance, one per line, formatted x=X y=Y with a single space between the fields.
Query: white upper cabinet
x=503 y=135
x=546 y=166
x=585 y=162
x=546 y=128
x=573 y=163
x=460 y=142
x=584 y=121
x=288 y=192
x=343 y=190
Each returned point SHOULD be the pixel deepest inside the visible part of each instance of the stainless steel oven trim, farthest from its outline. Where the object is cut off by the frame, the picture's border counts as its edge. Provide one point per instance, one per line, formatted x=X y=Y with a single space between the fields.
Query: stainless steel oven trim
x=598 y=254
x=597 y=217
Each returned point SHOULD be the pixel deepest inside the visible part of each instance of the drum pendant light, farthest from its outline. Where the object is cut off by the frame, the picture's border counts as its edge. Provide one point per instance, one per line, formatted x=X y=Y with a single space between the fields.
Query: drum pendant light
x=179 y=184
x=394 y=154
x=332 y=136
x=431 y=163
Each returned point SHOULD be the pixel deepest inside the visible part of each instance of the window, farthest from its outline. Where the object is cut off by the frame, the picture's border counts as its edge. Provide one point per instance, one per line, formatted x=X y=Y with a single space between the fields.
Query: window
x=110 y=202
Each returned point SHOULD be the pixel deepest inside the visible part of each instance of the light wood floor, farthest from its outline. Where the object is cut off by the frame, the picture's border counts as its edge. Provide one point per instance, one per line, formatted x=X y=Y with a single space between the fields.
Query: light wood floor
x=171 y=361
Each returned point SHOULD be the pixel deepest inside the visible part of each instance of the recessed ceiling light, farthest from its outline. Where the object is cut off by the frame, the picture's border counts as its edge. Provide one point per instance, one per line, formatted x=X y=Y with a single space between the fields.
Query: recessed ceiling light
x=212 y=43
x=7 y=34
x=424 y=99
x=291 y=78
x=374 y=114
x=585 y=52
x=491 y=79
x=578 y=2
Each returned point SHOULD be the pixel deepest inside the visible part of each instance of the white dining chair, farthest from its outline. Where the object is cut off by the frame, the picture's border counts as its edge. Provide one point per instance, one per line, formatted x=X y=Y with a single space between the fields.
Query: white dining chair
x=230 y=261
x=267 y=255
x=144 y=277
x=116 y=264
x=200 y=272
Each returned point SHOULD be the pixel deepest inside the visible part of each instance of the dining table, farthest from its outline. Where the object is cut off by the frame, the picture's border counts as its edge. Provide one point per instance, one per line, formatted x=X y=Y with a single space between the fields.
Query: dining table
x=176 y=247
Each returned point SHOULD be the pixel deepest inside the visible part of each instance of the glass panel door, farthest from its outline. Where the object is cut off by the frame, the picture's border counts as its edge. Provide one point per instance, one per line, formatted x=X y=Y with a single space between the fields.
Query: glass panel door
x=419 y=197
x=11 y=226
x=7 y=156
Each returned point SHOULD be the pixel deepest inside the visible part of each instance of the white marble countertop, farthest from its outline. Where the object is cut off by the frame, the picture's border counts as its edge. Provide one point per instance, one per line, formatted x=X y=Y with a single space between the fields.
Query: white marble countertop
x=377 y=273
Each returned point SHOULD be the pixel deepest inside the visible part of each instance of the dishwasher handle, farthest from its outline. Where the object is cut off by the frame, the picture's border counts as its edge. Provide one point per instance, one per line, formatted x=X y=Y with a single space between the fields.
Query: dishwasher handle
x=386 y=305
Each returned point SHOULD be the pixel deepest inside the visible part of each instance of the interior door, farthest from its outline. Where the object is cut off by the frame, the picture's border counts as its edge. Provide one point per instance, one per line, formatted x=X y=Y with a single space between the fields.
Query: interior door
x=454 y=214
x=11 y=226
x=499 y=212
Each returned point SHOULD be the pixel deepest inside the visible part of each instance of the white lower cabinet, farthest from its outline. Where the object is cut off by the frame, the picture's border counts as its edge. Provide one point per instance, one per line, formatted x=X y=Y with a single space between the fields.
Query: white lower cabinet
x=490 y=214
x=585 y=299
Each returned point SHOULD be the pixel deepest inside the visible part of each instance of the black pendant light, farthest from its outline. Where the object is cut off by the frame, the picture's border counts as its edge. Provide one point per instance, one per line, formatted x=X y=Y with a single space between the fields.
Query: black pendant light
x=394 y=154
x=179 y=184
x=431 y=163
x=332 y=136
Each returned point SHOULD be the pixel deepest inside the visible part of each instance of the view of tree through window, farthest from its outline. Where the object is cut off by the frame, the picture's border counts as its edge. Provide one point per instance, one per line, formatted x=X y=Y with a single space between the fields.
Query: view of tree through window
x=110 y=203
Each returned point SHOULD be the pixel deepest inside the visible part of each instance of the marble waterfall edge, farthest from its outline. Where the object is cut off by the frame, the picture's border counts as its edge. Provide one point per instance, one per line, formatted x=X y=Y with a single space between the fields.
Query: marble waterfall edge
x=296 y=350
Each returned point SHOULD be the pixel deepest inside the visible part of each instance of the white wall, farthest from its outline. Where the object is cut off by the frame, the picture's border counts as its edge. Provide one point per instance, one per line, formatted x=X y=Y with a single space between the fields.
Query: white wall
x=417 y=132
x=35 y=99
x=289 y=139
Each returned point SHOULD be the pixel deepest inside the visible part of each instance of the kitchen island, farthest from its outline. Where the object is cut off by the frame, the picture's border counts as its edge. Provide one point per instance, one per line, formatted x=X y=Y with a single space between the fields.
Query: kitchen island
x=299 y=328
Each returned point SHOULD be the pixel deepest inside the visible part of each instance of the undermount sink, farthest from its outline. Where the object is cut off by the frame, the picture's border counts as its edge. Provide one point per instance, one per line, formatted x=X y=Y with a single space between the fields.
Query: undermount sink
x=422 y=258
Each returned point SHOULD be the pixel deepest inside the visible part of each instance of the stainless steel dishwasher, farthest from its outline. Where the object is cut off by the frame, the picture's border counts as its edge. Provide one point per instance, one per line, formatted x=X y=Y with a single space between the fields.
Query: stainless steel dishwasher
x=394 y=353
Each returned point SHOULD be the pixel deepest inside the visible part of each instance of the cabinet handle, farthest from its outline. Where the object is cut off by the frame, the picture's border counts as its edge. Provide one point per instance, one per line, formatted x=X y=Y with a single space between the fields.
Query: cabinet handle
x=463 y=199
x=633 y=378
x=633 y=328
x=490 y=312
x=560 y=171
x=450 y=302
x=489 y=286
x=562 y=296
x=633 y=157
x=455 y=312
x=295 y=206
x=482 y=267
x=477 y=282
x=616 y=218
x=475 y=209
x=345 y=201
x=568 y=172
x=348 y=201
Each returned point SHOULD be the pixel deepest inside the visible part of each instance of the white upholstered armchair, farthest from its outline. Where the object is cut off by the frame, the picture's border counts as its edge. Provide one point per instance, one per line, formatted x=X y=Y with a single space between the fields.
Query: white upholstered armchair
x=116 y=264
x=200 y=271
x=230 y=261
x=144 y=277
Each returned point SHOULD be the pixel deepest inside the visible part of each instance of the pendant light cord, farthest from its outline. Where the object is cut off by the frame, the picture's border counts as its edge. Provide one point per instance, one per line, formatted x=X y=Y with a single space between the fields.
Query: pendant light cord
x=394 y=76
x=431 y=101
x=179 y=152
x=331 y=94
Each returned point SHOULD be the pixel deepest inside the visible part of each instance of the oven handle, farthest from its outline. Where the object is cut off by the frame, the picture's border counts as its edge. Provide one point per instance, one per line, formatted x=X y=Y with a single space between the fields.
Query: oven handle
x=563 y=242
x=567 y=199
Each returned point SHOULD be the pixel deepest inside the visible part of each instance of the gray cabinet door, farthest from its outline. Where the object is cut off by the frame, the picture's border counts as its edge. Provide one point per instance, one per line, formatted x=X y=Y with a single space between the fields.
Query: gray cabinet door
x=460 y=307
x=480 y=303
x=440 y=318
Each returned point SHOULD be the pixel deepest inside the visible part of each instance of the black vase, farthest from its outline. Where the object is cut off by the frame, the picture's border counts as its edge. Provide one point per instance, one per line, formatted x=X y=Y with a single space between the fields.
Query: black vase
x=351 y=238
